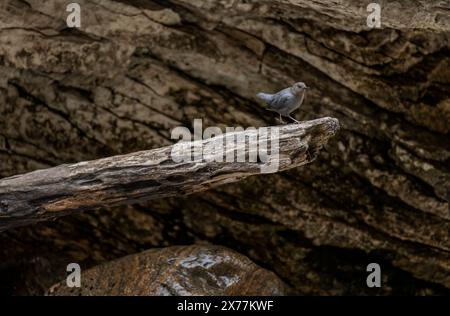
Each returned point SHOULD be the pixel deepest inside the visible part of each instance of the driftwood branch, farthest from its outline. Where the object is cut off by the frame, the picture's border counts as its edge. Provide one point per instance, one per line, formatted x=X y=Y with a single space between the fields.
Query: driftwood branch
x=145 y=175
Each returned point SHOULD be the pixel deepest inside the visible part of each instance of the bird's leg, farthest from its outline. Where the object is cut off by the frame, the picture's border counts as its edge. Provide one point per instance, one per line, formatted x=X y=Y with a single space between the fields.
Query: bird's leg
x=298 y=122
x=281 y=120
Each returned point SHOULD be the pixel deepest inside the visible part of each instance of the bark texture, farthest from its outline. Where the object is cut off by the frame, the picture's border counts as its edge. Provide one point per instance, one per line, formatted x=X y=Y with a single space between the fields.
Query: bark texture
x=136 y=69
x=178 y=170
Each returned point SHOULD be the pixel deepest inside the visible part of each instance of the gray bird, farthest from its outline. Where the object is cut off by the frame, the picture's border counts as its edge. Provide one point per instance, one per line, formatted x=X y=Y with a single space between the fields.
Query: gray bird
x=285 y=101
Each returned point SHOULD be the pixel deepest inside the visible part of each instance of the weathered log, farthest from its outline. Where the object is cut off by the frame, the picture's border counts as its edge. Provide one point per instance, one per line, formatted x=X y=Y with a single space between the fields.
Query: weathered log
x=176 y=170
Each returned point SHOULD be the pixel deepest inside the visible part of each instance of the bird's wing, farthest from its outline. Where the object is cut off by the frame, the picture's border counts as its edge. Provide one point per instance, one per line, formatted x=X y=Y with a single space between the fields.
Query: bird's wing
x=280 y=100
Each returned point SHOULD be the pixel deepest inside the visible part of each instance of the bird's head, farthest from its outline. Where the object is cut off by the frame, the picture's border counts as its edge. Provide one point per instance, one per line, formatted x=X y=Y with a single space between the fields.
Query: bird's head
x=299 y=87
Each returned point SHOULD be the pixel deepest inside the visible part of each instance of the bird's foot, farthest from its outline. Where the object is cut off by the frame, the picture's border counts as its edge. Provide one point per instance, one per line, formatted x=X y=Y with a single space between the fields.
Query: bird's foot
x=281 y=121
x=298 y=122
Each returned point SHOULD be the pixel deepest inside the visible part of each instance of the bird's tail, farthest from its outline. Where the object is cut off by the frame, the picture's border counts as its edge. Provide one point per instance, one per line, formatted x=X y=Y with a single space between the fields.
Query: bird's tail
x=264 y=96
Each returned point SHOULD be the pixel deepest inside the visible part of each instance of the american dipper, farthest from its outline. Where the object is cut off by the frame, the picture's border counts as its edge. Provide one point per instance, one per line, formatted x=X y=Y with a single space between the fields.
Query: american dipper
x=285 y=101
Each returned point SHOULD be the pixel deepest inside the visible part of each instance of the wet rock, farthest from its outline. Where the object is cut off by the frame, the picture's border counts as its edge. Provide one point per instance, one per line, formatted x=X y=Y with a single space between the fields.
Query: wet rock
x=179 y=270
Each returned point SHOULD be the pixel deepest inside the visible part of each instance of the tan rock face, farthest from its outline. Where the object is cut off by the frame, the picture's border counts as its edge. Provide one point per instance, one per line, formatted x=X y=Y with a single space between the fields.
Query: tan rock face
x=137 y=69
x=179 y=270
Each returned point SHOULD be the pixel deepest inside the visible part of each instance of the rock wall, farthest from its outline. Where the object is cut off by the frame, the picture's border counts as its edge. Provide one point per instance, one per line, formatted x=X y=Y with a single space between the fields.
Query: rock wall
x=136 y=69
